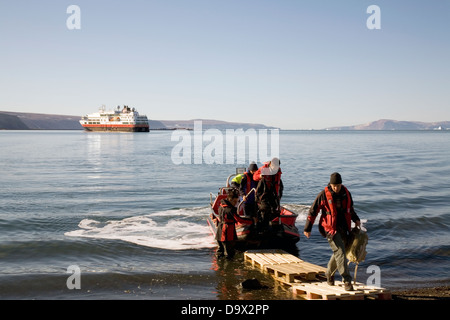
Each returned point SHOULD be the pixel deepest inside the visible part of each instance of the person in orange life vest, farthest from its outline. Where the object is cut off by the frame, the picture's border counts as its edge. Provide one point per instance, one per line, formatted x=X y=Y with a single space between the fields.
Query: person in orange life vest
x=247 y=184
x=226 y=230
x=269 y=191
x=336 y=204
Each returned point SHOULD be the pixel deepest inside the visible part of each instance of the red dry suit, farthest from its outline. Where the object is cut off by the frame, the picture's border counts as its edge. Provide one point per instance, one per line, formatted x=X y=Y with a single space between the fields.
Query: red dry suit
x=226 y=230
x=326 y=202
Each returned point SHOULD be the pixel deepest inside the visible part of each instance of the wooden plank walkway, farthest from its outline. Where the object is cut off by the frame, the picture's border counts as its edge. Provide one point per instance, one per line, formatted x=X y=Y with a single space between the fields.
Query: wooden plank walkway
x=308 y=279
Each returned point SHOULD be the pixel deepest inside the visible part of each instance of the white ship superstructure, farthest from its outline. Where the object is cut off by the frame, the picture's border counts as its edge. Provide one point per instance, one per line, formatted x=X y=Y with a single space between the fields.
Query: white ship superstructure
x=121 y=119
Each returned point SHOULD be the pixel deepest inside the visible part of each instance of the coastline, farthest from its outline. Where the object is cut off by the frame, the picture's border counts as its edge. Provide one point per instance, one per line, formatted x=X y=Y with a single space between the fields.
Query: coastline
x=432 y=293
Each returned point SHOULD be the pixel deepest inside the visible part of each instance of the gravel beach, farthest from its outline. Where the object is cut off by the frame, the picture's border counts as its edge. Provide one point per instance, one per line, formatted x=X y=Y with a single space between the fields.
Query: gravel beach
x=435 y=293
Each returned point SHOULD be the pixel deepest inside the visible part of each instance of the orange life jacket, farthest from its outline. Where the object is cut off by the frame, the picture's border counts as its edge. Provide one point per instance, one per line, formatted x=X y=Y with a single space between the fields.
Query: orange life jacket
x=249 y=181
x=275 y=179
x=328 y=220
x=227 y=228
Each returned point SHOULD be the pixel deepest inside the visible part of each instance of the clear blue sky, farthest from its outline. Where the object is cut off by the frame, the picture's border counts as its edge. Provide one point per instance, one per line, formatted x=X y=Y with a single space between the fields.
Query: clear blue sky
x=288 y=63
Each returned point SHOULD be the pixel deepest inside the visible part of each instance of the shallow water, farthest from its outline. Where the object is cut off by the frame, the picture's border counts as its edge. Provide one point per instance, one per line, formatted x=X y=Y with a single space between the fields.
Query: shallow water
x=134 y=222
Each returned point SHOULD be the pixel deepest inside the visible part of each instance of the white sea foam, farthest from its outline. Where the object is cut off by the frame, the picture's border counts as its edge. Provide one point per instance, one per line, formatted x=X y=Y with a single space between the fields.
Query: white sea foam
x=300 y=209
x=175 y=233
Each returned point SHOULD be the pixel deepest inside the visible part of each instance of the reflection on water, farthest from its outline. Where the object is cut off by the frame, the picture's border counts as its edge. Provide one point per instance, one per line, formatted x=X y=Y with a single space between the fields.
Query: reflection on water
x=231 y=273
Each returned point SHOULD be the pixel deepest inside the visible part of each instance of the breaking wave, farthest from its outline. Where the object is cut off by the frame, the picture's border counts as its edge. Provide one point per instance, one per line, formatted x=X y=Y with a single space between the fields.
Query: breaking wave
x=179 y=229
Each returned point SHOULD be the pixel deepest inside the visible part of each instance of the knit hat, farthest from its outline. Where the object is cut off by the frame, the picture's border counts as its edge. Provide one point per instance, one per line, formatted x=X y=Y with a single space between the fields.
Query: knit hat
x=335 y=178
x=252 y=167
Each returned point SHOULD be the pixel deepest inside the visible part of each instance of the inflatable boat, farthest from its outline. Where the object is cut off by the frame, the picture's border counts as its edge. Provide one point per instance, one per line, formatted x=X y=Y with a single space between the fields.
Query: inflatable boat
x=282 y=231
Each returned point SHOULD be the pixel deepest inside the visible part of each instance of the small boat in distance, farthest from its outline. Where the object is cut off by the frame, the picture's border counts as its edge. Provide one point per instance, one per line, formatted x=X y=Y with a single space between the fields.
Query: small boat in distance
x=120 y=120
x=282 y=233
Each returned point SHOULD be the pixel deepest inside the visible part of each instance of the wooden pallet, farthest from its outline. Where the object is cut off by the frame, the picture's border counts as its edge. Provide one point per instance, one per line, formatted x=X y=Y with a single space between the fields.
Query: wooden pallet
x=308 y=279
x=290 y=272
x=322 y=291
x=263 y=258
x=283 y=266
x=373 y=292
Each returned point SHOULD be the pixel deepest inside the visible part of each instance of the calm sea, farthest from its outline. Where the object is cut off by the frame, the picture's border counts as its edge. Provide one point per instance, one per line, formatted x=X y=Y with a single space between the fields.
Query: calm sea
x=115 y=206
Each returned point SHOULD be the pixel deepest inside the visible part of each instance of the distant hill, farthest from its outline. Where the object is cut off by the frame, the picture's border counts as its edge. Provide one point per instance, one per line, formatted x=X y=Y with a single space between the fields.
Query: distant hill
x=11 y=122
x=39 y=121
x=385 y=124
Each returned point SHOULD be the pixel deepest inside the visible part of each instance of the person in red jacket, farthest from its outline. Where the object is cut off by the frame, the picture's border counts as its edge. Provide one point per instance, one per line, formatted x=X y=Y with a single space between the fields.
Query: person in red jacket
x=268 y=192
x=226 y=230
x=336 y=204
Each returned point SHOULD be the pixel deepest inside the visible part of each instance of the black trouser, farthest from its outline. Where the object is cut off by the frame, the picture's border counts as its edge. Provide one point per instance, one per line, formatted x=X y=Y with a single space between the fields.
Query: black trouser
x=251 y=209
x=268 y=213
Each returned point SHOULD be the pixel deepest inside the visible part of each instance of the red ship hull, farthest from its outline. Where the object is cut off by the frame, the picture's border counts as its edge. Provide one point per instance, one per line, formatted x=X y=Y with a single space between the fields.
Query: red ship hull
x=116 y=128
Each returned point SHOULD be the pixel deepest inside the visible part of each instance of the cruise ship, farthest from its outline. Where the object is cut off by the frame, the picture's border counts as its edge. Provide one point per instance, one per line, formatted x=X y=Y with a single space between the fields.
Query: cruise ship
x=121 y=120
